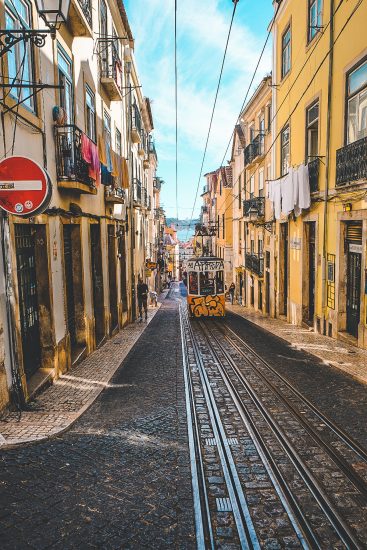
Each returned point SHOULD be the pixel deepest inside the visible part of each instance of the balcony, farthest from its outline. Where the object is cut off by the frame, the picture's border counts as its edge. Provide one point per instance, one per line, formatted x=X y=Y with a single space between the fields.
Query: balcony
x=136 y=126
x=351 y=162
x=151 y=147
x=254 y=207
x=255 y=149
x=110 y=67
x=157 y=184
x=72 y=170
x=80 y=18
x=313 y=175
x=144 y=197
x=115 y=195
x=137 y=192
x=158 y=213
x=205 y=190
x=255 y=264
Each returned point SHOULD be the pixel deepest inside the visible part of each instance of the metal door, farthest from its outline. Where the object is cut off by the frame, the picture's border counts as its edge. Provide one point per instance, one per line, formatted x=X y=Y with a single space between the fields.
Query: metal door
x=70 y=301
x=353 y=292
x=311 y=271
x=284 y=229
x=28 y=300
x=97 y=278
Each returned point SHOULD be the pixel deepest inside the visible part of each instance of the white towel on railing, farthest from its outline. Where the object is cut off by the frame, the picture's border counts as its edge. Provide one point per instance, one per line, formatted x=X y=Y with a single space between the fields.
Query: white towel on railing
x=286 y=187
x=304 y=197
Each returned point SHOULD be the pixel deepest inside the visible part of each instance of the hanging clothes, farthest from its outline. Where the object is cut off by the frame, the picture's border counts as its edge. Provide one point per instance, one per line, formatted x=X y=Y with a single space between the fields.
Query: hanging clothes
x=86 y=149
x=286 y=187
x=276 y=198
x=124 y=174
x=95 y=165
x=304 y=196
x=102 y=150
x=106 y=178
x=115 y=164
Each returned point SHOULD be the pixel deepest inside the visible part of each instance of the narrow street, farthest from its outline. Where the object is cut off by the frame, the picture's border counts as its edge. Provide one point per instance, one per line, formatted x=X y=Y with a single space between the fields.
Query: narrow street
x=278 y=457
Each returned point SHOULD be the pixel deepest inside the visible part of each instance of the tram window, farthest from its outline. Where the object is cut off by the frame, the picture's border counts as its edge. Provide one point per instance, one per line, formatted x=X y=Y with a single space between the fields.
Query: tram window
x=207 y=283
x=220 y=284
x=193 y=283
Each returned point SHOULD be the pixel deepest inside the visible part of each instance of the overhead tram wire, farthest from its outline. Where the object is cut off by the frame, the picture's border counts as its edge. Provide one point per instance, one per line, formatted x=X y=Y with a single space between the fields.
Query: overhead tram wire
x=300 y=98
x=235 y=2
x=176 y=112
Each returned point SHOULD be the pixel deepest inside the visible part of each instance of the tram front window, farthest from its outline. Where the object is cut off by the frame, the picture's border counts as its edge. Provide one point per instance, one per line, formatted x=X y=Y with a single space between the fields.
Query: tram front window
x=193 y=282
x=220 y=283
x=207 y=283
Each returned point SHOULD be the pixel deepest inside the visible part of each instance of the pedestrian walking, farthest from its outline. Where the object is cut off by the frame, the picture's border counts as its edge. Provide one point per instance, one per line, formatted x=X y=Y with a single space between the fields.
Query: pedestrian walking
x=142 y=291
x=153 y=298
x=231 y=292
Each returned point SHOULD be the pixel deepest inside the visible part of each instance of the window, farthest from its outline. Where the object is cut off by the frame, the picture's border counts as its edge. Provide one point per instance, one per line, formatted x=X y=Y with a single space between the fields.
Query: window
x=268 y=109
x=90 y=114
x=286 y=52
x=239 y=191
x=262 y=134
x=252 y=247
x=312 y=129
x=285 y=150
x=118 y=142
x=252 y=186
x=260 y=247
x=314 y=18
x=219 y=282
x=193 y=282
x=357 y=103
x=107 y=138
x=65 y=68
x=20 y=58
x=252 y=133
x=223 y=228
x=207 y=279
x=261 y=182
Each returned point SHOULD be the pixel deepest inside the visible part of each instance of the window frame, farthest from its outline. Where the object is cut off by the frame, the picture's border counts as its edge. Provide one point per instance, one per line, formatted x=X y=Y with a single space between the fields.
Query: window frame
x=309 y=157
x=348 y=97
x=70 y=79
x=89 y=92
x=19 y=23
x=283 y=48
x=318 y=26
x=287 y=126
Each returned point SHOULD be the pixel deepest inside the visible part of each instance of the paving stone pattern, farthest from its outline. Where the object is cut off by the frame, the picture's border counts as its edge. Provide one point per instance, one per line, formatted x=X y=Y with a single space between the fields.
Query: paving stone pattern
x=120 y=477
x=63 y=402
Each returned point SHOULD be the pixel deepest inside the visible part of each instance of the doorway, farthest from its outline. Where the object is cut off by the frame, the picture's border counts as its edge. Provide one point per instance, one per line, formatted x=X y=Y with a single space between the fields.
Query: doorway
x=354 y=274
x=75 y=322
x=123 y=269
x=112 y=279
x=284 y=268
x=309 y=282
x=97 y=282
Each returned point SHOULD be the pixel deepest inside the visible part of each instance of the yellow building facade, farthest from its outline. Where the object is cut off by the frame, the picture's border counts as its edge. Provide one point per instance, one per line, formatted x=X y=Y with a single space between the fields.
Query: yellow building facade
x=224 y=220
x=319 y=138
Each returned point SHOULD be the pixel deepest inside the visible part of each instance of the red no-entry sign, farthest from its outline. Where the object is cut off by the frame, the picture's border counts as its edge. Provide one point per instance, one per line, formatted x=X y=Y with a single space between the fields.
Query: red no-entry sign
x=25 y=187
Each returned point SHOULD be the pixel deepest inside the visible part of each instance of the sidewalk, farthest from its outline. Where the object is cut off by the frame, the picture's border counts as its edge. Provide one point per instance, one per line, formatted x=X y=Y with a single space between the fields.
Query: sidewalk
x=61 y=404
x=338 y=354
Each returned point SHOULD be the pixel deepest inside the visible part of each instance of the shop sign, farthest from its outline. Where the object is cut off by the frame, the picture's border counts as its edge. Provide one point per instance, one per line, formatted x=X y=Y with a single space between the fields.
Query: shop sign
x=148 y=273
x=25 y=187
x=356 y=248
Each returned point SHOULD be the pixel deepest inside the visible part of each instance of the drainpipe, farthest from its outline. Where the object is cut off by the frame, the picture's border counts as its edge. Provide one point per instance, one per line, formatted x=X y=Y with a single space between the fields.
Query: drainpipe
x=327 y=162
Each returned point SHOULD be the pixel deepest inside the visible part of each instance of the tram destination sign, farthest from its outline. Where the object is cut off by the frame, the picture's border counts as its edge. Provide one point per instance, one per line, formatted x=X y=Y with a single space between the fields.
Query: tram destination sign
x=205 y=264
x=25 y=187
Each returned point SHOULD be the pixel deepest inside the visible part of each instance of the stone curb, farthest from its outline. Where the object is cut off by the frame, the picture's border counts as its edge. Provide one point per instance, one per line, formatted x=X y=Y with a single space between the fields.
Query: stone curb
x=75 y=416
x=326 y=362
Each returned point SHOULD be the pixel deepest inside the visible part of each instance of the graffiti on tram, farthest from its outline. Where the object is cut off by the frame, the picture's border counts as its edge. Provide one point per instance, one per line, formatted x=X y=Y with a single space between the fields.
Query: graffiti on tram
x=206 y=306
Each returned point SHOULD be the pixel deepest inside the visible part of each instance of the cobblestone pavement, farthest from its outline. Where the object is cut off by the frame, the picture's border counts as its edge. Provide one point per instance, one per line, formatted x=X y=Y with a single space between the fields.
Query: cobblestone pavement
x=336 y=353
x=341 y=397
x=120 y=477
x=61 y=404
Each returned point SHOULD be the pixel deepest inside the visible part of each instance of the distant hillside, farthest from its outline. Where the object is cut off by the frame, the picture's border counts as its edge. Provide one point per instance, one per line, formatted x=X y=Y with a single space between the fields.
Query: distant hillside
x=182 y=224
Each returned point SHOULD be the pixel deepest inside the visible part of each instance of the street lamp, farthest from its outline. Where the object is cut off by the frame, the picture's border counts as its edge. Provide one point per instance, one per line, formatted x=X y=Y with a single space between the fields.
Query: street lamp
x=53 y=12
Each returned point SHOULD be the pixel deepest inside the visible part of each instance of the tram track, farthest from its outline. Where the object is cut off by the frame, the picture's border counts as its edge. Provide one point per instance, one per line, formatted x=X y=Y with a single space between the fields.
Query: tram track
x=313 y=515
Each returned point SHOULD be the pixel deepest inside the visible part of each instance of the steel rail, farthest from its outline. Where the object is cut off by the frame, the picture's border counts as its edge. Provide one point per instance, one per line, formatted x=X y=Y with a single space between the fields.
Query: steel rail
x=203 y=527
x=245 y=528
x=340 y=526
x=358 y=482
x=349 y=441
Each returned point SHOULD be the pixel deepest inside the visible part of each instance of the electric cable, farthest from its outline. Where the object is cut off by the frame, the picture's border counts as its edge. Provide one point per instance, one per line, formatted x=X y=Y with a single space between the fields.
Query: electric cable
x=176 y=111
x=235 y=2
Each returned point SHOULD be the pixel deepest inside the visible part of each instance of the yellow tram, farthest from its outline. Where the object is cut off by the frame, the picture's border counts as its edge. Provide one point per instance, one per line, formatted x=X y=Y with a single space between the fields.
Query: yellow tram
x=205 y=287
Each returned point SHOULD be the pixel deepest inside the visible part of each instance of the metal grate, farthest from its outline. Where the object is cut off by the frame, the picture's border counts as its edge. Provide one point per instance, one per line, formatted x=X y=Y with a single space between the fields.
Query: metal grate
x=223 y=505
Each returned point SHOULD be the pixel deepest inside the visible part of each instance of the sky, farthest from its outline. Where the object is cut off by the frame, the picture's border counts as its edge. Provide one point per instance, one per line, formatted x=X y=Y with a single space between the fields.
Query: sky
x=202 y=28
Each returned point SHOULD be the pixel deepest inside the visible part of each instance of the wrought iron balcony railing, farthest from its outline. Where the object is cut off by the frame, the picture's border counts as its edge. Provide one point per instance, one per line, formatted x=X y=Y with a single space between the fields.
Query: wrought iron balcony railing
x=70 y=165
x=136 y=125
x=254 y=207
x=151 y=147
x=86 y=7
x=137 y=191
x=313 y=174
x=115 y=194
x=110 y=67
x=157 y=183
x=351 y=162
x=254 y=149
x=255 y=263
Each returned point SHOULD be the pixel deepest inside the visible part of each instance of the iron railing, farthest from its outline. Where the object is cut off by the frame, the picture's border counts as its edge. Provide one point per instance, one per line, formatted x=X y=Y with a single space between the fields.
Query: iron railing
x=151 y=146
x=157 y=183
x=255 y=263
x=136 y=119
x=115 y=193
x=109 y=61
x=351 y=162
x=70 y=165
x=137 y=190
x=313 y=174
x=86 y=7
x=254 y=149
x=255 y=207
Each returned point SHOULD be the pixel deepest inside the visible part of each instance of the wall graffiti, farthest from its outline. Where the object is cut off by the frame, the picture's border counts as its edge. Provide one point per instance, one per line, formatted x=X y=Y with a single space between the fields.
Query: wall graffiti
x=206 y=306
